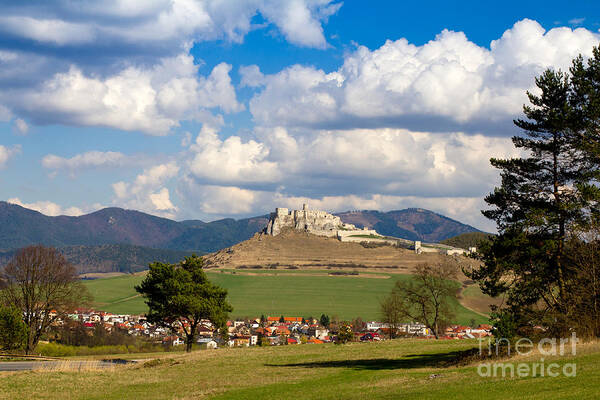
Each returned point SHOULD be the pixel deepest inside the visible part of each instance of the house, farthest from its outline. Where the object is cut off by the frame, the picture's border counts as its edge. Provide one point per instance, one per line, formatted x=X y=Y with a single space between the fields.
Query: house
x=205 y=331
x=208 y=342
x=241 y=340
x=253 y=340
x=173 y=341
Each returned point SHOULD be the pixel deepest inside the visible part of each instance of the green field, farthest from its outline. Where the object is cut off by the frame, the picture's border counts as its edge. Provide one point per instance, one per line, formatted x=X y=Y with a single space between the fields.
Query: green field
x=398 y=369
x=287 y=293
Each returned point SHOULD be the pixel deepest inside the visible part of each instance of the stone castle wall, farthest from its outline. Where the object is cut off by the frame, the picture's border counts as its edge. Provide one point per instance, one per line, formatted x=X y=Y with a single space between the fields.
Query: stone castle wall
x=313 y=221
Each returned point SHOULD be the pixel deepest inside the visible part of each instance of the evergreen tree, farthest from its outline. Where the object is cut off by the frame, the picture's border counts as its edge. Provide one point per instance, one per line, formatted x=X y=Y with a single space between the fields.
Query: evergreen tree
x=544 y=196
x=324 y=320
x=180 y=296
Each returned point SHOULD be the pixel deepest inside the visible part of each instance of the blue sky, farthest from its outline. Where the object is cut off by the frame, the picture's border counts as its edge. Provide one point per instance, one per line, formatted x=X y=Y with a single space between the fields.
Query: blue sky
x=205 y=109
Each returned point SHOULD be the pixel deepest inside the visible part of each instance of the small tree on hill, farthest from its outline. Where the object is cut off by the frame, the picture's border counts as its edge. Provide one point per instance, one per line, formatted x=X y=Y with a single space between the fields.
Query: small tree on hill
x=324 y=320
x=180 y=296
x=282 y=319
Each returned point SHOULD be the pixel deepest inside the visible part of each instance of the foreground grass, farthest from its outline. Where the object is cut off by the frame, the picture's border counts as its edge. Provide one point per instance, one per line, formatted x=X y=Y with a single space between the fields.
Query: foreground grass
x=277 y=293
x=388 y=370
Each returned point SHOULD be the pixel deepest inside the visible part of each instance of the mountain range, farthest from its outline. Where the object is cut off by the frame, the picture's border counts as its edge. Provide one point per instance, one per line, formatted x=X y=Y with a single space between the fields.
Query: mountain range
x=135 y=231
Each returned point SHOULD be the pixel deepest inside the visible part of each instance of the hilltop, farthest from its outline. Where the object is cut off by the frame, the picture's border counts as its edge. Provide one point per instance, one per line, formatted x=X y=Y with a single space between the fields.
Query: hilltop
x=292 y=248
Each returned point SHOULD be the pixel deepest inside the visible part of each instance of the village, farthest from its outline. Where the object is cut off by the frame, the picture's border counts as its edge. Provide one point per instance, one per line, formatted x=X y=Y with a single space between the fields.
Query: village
x=263 y=331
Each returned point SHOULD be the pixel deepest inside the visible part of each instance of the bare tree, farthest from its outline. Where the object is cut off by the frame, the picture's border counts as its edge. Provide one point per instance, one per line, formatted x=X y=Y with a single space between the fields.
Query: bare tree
x=43 y=285
x=391 y=312
x=426 y=298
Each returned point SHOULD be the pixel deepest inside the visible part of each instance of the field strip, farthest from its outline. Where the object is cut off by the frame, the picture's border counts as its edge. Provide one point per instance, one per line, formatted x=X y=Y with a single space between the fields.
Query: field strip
x=373 y=276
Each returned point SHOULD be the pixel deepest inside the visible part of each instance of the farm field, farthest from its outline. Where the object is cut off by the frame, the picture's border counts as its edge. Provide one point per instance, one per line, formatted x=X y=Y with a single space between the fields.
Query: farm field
x=293 y=293
x=407 y=369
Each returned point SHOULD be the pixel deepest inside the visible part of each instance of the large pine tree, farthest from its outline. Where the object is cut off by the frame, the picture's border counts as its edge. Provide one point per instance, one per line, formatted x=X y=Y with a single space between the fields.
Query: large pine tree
x=545 y=195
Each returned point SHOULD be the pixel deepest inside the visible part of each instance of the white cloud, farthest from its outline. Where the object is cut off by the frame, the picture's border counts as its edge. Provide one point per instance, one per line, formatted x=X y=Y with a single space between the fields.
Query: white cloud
x=126 y=65
x=231 y=160
x=151 y=100
x=148 y=192
x=251 y=76
x=94 y=160
x=48 y=208
x=6 y=153
x=160 y=23
x=21 y=127
x=300 y=20
x=161 y=200
x=445 y=85
x=216 y=200
x=47 y=30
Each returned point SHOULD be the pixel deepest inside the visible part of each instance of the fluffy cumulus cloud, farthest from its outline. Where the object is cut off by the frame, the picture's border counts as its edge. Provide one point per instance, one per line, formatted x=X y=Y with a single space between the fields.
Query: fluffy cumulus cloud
x=125 y=65
x=6 y=153
x=231 y=160
x=446 y=84
x=156 y=25
x=148 y=192
x=152 y=100
x=48 y=208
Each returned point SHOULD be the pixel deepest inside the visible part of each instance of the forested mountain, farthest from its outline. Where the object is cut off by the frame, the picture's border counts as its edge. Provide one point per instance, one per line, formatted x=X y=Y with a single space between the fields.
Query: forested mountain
x=410 y=223
x=114 y=239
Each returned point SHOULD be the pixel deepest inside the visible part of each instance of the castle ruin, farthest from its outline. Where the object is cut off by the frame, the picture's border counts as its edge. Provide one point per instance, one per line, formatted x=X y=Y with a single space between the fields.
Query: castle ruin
x=316 y=222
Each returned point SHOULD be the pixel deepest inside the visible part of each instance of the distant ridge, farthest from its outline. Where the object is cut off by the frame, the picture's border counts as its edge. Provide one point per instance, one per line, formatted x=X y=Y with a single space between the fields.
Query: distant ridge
x=410 y=223
x=21 y=227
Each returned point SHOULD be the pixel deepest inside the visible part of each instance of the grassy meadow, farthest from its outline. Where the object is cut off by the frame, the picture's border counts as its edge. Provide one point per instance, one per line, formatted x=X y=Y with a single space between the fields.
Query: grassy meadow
x=386 y=370
x=293 y=293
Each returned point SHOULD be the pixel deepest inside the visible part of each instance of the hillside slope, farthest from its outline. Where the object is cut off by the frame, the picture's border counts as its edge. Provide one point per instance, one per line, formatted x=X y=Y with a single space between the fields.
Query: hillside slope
x=300 y=249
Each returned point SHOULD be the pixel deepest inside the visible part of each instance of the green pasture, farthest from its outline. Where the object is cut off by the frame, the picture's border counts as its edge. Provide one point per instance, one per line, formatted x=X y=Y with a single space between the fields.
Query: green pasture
x=286 y=293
